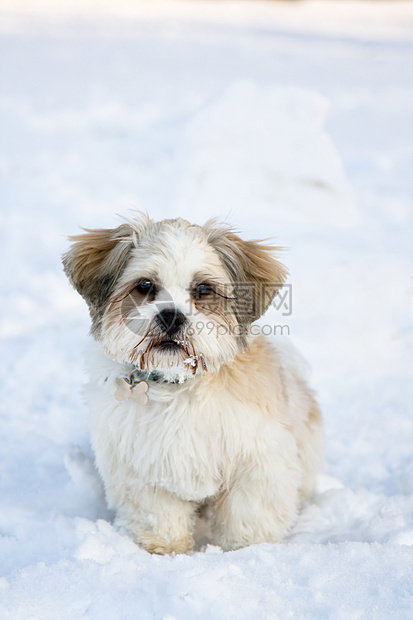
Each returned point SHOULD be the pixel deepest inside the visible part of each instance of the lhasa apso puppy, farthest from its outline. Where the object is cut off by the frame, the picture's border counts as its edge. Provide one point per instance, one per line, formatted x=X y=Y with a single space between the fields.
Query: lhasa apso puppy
x=188 y=404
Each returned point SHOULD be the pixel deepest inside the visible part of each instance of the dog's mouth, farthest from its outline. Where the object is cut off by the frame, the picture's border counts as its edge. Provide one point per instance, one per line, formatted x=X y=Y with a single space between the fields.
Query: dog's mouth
x=165 y=353
x=170 y=345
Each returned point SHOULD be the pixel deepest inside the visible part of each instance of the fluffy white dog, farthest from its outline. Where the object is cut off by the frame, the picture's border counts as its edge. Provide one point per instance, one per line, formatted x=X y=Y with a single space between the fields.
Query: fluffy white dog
x=187 y=406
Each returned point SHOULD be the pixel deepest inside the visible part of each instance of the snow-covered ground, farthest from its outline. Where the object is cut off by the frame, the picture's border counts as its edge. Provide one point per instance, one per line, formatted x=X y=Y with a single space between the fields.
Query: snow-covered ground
x=286 y=119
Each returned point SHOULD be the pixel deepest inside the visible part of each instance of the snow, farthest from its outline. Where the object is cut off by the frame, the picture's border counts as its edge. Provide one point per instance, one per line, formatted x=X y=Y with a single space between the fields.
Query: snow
x=291 y=120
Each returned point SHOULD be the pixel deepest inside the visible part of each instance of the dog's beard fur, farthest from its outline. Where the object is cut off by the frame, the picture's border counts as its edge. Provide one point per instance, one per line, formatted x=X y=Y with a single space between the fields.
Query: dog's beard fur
x=149 y=349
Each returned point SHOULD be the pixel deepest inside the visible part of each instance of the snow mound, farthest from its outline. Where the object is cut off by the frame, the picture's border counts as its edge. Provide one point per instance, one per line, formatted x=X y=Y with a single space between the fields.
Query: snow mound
x=264 y=149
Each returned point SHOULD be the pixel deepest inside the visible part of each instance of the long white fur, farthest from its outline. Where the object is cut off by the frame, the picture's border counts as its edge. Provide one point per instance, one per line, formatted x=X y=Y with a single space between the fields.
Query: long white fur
x=188 y=446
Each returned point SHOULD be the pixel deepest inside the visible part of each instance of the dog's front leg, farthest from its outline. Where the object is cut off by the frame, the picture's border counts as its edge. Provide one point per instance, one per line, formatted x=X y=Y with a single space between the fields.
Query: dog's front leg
x=158 y=520
x=261 y=501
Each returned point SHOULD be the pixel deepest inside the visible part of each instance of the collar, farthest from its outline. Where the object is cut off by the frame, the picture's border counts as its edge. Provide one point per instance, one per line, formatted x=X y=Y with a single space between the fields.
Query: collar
x=135 y=384
x=136 y=375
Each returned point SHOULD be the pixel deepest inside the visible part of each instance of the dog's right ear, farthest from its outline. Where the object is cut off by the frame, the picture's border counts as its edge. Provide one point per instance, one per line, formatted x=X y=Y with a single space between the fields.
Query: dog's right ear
x=96 y=260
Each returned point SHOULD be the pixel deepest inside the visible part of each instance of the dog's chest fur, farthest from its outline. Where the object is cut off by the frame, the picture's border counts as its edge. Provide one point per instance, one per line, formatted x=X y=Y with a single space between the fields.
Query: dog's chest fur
x=188 y=439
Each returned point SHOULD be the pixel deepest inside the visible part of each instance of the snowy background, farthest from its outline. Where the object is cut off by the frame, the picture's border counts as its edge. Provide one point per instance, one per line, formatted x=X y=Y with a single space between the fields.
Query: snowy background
x=293 y=120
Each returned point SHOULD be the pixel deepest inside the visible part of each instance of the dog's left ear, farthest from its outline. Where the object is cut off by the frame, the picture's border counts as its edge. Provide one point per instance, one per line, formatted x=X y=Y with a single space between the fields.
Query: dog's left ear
x=256 y=274
x=95 y=261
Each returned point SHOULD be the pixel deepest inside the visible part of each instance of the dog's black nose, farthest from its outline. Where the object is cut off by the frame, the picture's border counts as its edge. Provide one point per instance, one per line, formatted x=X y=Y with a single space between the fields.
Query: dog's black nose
x=170 y=321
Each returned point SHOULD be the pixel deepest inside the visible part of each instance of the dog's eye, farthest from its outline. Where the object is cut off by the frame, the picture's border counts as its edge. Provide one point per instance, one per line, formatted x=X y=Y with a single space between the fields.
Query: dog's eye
x=202 y=290
x=145 y=287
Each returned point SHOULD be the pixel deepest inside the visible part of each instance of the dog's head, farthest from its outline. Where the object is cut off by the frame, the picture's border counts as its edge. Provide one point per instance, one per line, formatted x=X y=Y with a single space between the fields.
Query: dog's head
x=171 y=296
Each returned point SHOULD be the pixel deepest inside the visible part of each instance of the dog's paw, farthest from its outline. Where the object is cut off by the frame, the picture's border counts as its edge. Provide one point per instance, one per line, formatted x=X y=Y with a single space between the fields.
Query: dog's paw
x=161 y=546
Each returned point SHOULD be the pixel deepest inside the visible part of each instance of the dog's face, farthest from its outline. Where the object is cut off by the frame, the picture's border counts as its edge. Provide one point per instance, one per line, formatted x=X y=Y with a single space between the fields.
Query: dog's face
x=170 y=296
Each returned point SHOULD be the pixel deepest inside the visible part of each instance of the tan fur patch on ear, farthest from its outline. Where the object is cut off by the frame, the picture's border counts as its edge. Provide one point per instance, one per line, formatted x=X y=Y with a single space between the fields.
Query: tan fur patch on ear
x=95 y=261
x=257 y=275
